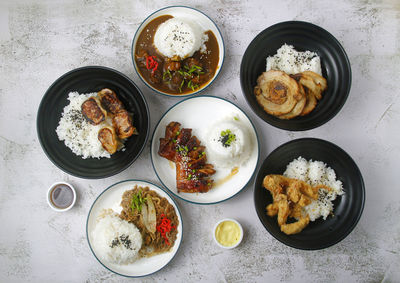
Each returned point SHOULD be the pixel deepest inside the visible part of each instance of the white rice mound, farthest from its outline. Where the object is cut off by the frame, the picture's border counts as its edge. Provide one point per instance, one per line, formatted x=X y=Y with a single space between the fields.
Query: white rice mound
x=237 y=153
x=290 y=61
x=315 y=173
x=115 y=240
x=77 y=133
x=177 y=37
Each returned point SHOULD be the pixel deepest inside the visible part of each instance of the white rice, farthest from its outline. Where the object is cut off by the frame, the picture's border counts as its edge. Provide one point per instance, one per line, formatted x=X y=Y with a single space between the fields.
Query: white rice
x=290 y=61
x=177 y=37
x=115 y=240
x=234 y=155
x=315 y=173
x=77 y=133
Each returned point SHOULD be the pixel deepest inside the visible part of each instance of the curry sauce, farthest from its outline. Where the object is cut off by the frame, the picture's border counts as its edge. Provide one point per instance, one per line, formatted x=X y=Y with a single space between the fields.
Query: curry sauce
x=173 y=75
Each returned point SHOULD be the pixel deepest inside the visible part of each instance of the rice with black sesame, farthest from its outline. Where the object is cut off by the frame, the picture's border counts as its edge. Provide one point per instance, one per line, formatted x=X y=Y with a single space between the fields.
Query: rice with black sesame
x=315 y=173
x=116 y=240
x=291 y=61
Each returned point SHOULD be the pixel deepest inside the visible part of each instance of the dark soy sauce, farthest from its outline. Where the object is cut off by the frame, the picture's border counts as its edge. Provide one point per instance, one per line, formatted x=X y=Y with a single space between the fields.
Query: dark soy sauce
x=61 y=196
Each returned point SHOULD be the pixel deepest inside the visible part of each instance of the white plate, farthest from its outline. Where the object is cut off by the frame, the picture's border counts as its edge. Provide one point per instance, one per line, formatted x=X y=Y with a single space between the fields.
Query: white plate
x=111 y=198
x=191 y=15
x=199 y=113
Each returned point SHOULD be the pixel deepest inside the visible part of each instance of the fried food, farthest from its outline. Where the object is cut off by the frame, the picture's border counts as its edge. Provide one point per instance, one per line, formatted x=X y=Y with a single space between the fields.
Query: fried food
x=290 y=196
x=296 y=227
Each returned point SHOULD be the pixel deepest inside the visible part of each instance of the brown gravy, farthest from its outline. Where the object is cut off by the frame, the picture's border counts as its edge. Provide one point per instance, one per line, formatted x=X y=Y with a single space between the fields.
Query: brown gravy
x=171 y=82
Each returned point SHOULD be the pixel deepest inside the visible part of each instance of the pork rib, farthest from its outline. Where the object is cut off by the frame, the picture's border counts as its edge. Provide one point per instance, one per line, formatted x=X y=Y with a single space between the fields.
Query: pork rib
x=192 y=171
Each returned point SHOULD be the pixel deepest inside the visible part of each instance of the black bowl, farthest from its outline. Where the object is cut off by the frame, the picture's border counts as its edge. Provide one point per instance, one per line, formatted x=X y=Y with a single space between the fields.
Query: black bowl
x=347 y=208
x=303 y=36
x=86 y=80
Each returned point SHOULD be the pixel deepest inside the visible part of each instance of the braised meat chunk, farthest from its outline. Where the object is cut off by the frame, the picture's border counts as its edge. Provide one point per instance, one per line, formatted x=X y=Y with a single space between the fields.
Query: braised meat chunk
x=122 y=121
x=110 y=101
x=192 y=171
x=92 y=111
x=108 y=139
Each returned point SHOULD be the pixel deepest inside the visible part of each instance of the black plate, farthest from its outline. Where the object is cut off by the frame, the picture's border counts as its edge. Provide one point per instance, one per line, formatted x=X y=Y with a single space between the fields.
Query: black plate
x=347 y=208
x=303 y=36
x=86 y=80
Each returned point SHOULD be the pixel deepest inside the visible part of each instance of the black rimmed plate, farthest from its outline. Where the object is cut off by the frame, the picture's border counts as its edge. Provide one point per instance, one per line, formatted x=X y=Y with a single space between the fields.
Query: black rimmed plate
x=111 y=198
x=86 y=80
x=347 y=208
x=303 y=36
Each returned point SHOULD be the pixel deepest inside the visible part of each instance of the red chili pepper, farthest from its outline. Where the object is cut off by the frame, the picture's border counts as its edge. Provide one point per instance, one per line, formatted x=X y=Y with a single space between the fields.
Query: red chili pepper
x=164 y=227
x=151 y=64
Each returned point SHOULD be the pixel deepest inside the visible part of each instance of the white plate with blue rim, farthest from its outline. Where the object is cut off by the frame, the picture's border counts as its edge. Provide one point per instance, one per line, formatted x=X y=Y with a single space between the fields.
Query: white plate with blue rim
x=111 y=198
x=199 y=114
x=191 y=15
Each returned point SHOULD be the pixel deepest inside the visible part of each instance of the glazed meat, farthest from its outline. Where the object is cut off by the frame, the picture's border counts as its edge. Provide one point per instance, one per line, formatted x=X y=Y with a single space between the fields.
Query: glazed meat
x=277 y=92
x=192 y=171
x=108 y=139
x=110 y=101
x=92 y=111
x=122 y=121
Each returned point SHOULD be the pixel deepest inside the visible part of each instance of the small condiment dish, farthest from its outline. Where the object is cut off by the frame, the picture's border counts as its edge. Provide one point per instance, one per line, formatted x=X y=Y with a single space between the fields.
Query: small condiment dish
x=227 y=220
x=61 y=196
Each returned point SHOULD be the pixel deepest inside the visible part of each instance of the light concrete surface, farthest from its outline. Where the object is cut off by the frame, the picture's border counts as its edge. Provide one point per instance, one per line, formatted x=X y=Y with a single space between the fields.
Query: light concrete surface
x=41 y=40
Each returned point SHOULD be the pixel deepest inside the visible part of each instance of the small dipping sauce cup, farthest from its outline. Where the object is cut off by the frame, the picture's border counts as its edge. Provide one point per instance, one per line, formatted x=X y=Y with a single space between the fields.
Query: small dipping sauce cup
x=61 y=196
x=228 y=233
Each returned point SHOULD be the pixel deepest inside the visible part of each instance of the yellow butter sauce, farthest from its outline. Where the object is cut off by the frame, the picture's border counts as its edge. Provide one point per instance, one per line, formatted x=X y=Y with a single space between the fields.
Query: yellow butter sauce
x=234 y=171
x=228 y=233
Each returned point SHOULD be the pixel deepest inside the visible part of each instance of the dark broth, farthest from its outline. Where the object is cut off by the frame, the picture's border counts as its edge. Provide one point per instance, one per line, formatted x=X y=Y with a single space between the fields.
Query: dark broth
x=208 y=61
x=61 y=196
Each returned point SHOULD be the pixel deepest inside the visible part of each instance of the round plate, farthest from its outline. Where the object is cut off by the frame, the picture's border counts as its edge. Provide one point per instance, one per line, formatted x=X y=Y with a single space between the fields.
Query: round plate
x=303 y=36
x=86 y=80
x=199 y=113
x=191 y=15
x=111 y=198
x=347 y=208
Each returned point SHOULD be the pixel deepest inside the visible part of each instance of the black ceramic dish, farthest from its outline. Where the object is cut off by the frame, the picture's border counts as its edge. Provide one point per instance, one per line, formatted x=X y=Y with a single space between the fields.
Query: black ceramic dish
x=347 y=208
x=86 y=80
x=303 y=36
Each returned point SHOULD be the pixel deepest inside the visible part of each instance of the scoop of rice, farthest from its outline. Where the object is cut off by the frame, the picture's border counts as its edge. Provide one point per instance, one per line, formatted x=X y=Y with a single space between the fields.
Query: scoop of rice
x=177 y=37
x=228 y=156
x=116 y=240
x=315 y=173
x=291 y=61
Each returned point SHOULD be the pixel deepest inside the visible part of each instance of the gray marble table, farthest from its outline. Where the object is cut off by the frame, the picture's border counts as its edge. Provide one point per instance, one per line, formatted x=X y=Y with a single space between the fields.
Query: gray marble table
x=41 y=40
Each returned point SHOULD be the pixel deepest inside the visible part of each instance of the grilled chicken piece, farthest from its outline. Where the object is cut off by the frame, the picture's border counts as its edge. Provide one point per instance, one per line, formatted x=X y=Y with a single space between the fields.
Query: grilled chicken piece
x=92 y=111
x=122 y=122
x=192 y=171
x=108 y=139
x=110 y=101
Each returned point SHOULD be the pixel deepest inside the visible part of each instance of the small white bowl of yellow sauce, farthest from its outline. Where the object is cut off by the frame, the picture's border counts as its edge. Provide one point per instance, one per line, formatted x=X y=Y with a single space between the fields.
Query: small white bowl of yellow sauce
x=228 y=233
